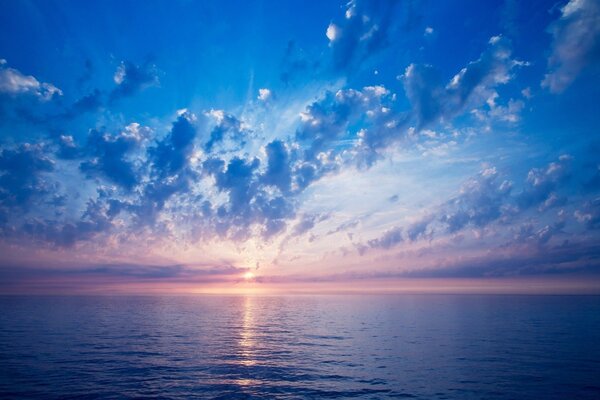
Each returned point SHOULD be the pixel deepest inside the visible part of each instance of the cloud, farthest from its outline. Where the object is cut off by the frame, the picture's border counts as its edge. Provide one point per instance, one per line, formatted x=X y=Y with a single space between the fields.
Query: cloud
x=131 y=79
x=22 y=175
x=589 y=214
x=103 y=275
x=67 y=149
x=227 y=127
x=14 y=83
x=541 y=184
x=170 y=171
x=95 y=219
x=171 y=155
x=487 y=198
x=344 y=227
x=88 y=103
x=329 y=118
x=418 y=229
x=528 y=233
x=248 y=203
x=110 y=155
x=362 y=32
x=278 y=173
x=238 y=180
x=576 y=43
x=264 y=94
x=388 y=240
x=333 y=33
x=372 y=119
x=480 y=201
x=308 y=222
x=518 y=259
x=471 y=87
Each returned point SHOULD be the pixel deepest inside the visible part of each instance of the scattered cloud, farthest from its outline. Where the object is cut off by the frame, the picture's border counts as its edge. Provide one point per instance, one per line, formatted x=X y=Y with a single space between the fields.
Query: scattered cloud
x=15 y=83
x=576 y=43
x=264 y=94
x=130 y=79
x=363 y=32
x=472 y=87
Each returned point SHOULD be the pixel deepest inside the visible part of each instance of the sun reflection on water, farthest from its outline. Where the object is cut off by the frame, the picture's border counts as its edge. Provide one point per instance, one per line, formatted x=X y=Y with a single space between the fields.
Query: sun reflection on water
x=247 y=340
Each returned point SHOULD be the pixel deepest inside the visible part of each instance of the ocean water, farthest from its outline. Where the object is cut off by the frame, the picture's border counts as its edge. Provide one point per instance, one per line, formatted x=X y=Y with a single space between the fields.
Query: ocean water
x=301 y=347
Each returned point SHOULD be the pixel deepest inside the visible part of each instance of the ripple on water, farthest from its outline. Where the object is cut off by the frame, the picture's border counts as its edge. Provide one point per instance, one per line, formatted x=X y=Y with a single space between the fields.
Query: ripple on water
x=374 y=347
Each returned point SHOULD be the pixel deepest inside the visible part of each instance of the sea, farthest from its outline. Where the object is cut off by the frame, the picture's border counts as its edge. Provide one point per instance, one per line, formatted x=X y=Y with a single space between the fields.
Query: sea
x=300 y=347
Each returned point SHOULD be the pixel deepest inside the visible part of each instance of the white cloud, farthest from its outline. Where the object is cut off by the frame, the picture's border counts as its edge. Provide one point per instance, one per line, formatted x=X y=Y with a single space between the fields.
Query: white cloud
x=264 y=94
x=13 y=82
x=120 y=73
x=428 y=31
x=333 y=32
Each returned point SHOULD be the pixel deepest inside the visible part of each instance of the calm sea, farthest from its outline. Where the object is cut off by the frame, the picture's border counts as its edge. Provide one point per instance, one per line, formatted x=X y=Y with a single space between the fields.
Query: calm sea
x=311 y=347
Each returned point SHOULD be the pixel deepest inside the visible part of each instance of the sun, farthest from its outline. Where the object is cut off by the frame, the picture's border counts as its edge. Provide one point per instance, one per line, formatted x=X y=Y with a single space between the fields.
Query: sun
x=249 y=276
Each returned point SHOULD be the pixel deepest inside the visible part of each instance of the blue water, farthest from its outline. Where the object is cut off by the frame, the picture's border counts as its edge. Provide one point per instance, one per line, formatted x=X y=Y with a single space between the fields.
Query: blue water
x=312 y=347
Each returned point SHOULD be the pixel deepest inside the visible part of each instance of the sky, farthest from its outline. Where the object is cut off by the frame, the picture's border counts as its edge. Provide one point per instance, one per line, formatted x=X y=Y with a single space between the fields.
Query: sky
x=235 y=146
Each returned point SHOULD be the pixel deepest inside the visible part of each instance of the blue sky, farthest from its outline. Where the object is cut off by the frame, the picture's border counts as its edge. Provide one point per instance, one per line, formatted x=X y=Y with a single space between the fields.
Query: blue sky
x=365 y=143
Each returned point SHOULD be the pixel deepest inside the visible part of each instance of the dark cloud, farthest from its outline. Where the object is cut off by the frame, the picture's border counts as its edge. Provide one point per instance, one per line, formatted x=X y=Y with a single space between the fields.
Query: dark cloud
x=94 y=220
x=480 y=201
x=110 y=156
x=129 y=78
x=541 y=236
x=307 y=223
x=304 y=175
x=23 y=274
x=170 y=170
x=423 y=87
x=278 y=173
x=419 y=229
x=249 y=202
x=362 y=121
x=328 y=119
x=227 y=127
x=91 y=102
x=273 y=214
x=541 y=184
x=21 y=179
x=589 y=214
x=528 y=259
x=239 y=181
x=388 y=240
x=171 y=155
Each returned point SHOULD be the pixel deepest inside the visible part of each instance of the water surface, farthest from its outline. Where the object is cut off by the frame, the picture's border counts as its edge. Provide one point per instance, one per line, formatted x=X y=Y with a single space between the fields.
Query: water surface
x=371 y=347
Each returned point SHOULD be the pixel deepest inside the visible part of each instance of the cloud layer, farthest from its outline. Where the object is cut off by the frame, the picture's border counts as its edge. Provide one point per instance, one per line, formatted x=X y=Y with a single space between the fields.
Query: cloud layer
x=363 y=147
